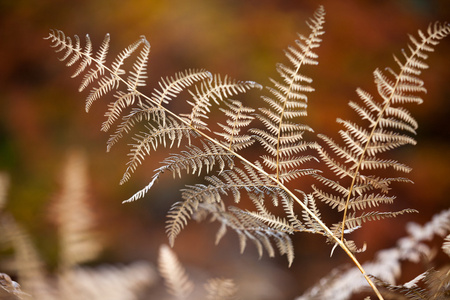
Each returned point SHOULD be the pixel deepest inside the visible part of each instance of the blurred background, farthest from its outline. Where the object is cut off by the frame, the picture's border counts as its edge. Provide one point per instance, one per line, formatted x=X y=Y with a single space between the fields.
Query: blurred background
x=42 y=116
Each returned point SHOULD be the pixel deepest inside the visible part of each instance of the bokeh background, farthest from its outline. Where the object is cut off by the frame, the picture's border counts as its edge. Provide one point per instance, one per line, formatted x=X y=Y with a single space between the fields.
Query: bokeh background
x=42 y=116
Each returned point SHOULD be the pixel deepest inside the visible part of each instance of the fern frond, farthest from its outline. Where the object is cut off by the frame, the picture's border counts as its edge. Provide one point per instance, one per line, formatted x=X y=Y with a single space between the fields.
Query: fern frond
x=436 y=286
x=360 y=203
x=271 y=220
x=282 y=136
x=310 y=223
x=108 y=78
x=177 y=282
x=170 y=87
x=79 y=242
x=288 y=207
x=232 y=182
x=353 y=221
x=151 y=109
x=388 y=121
x=100 y=60
x=216 y=89
x=248 y=227
x=194 y=160
x=149 y=114
x=238 y=117
x=172 y=131
x=177 y=218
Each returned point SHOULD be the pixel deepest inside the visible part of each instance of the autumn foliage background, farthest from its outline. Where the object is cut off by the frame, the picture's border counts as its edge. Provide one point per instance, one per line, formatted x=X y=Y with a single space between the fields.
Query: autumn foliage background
x=42 y=116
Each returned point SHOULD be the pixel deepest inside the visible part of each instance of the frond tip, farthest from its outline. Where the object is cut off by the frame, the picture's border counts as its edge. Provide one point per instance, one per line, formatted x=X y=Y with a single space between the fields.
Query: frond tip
x=107 y=78
x=283 y=135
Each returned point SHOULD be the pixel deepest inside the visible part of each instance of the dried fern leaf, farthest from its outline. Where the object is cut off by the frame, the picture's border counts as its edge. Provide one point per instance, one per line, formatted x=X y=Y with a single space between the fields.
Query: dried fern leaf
x=283 y=135
x=168 y=134
x=107 y=78
x=214 y=90
x=238 y=117
x=177 y=282
x=436 y=282
x=361 y=202
x=195 y=159
x=250 y=228
x=149 y=114
x=168 y=129
x=177 y=218
x=75 y=221
x=170 y=87
x=310 y=223
x=353 y=221
x=388 y=125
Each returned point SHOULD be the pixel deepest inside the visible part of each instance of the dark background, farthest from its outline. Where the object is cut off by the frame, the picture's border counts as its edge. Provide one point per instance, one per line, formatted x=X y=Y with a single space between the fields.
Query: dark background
x=42 y=115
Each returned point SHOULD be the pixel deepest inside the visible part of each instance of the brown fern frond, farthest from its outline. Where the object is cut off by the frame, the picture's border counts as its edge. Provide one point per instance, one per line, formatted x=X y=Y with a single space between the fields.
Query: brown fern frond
x=75 y=221
x=353 y=221
x=214 y=90
x=310 y=223
x=436 y=286
x=170 y=87
x=195 y=159
x=150 y=114
x=362 y=202
x=108 y=78
x=388 y=123
x=283 y=135
x=177 y=218
x=266 y=217
x=232 y=181
x=387 y=126
x=238 y=117
x=248 y=227
x=100 y=60
x=168 y=134
x=177 y=281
